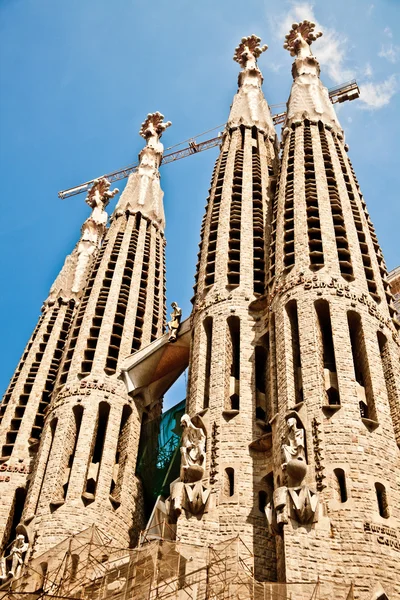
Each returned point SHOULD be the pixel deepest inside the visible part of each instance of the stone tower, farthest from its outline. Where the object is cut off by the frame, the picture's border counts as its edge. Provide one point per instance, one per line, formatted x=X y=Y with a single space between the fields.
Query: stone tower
x=27 y=398
x=335 y=378
x=85 y=472
x=227 y=365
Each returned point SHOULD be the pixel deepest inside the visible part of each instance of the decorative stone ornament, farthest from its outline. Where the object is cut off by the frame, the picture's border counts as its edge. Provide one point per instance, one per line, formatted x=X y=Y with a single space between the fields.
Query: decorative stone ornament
x=248 y=51
x=300 y=38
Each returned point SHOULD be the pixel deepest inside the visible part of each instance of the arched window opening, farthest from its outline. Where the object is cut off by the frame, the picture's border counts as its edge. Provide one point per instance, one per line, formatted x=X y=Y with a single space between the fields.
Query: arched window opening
x=382 y=499
x=341 y=484
x=120 y=457
x=229 y=482
x=78 y=412
x=44 y=567
x=96 y=454
x=389 y=375
x=14 y=519
x=328 y=353
x=233 y=364
x=266 y=494
x=208 y=328
x=274 y=377
x=261 y=378
x=361 y=367
x=262 y=500
x=291 y=310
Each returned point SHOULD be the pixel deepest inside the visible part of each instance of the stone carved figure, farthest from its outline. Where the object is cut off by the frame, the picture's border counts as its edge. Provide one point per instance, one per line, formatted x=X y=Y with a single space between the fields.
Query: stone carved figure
x=189 y=491
x=294 y=499
x=175 y=322
x=15 y=559
x=193 y=455
x=294 y=459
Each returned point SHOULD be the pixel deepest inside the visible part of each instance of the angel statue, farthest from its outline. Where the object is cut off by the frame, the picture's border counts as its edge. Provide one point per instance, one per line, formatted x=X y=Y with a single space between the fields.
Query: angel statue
x=16 y=557
x=193 y=455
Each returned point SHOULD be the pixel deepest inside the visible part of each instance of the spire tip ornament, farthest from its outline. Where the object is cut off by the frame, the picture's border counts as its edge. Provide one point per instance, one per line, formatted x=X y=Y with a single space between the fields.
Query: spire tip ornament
x=249 y=48
x=300 y=37
x=153 y=125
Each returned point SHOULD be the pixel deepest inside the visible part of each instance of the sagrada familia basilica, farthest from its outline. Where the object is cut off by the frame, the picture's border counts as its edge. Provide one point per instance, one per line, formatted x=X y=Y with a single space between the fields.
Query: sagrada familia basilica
x=280 y=476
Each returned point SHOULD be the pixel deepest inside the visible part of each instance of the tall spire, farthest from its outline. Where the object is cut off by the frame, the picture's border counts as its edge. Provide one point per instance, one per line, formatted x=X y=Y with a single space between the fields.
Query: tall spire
x=71 y=279
x=309 y=98
x=249 y=106
x=143 y=192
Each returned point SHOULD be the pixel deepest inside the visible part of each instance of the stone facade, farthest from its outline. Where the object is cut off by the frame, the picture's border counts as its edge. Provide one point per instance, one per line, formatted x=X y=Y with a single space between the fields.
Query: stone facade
x=292 y=433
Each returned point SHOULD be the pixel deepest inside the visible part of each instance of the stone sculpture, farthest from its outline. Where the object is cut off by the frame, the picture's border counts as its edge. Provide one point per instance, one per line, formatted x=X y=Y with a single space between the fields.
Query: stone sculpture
x=16 y=557
x=193 y=456
x=175 y=322
x=188 y=491
x=294 y=499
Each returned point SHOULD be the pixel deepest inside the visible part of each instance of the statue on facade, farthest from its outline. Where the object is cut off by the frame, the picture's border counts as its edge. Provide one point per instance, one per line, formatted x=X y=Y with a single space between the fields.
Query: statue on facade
x=15 y=560
x=295 y=499
x=175 y=322
x=193 y=455
x=189 y=491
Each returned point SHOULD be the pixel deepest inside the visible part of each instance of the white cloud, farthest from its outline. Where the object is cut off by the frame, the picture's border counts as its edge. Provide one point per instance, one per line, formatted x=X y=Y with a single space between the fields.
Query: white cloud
x=370 y=9
x=390 y=52
x=376 y=95
x=387 y=31
x=330 y=49
x=368 y=70
x=349 y=120
x=274 y=67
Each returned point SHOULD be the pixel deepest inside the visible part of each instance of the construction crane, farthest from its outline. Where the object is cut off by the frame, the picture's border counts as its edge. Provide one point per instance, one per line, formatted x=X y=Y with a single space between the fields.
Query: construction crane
x=346 y=91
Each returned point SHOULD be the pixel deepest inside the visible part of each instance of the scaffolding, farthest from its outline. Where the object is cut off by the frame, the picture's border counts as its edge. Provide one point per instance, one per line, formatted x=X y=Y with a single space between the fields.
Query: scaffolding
x=86 y=567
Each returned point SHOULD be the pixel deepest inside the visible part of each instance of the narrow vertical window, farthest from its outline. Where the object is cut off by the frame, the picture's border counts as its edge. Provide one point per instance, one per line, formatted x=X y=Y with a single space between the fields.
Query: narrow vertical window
x=208 y=328
x=291 y=310
x=233 y=364
x=121 y=456
x=389 y=374
x=382 y=500
x=96 y=454
x=229 y=482
x=266 y=494
x=340 y=481
x=289 y=229
x=273 y=366
x=235 y=222
x=328 y=353
x=142 y=299
x=361 y=367
x=214 y=209
x=313 y=220
x=74 y=436
x=260 y=364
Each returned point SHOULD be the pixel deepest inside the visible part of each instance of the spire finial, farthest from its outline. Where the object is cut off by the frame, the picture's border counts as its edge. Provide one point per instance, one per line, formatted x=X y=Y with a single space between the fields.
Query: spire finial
x=248 y=51
x=153 y=127
x=300 y=38
x=99 y=195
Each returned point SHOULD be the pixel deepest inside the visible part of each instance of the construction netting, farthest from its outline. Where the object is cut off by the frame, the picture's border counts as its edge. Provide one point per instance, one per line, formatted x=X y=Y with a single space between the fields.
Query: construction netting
x=85 y=567
x=159 y=458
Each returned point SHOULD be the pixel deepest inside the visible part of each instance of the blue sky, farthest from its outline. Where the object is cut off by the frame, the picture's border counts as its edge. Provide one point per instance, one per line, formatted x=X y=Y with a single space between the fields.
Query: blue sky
x=77 y=79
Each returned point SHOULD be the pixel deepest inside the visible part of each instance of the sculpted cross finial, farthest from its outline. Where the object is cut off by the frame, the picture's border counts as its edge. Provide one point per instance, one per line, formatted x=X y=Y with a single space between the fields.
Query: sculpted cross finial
x=153 y=127
x=300 y=38
x=99 y=194
x=248 y=51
